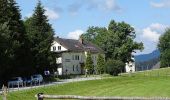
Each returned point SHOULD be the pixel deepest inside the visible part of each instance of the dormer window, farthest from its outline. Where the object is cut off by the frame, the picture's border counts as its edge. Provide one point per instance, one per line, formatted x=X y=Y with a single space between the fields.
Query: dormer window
x=54 y=48
x=59 y=47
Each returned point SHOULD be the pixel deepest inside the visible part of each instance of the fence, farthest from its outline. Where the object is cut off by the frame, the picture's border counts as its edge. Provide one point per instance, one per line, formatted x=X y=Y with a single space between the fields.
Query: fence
x=163 y=72
x=41 y=96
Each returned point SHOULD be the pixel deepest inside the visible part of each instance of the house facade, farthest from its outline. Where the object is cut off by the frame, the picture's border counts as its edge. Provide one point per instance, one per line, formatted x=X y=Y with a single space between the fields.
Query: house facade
x=72 y=55
x=130 y=66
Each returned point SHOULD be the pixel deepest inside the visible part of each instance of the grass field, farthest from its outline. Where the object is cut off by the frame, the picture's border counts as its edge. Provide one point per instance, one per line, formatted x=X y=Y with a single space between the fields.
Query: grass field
x=142 y=84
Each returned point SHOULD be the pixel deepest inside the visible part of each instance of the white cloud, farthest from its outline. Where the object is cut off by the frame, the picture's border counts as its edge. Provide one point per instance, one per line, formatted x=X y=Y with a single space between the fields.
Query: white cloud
x=150 y=34
x=51 y=14
x=102 y=5
x=111 y=5
x=162 y=4
x=75 y=34
x=153 y=32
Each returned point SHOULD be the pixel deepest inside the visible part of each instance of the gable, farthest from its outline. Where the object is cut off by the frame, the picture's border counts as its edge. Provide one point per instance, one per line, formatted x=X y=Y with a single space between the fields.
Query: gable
x=58 y=47
x=78 y=46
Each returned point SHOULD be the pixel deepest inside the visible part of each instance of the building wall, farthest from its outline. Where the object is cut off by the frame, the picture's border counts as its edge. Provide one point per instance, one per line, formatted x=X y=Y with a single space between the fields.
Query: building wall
x=57 y=45
x=71 y=61
x=130 y=67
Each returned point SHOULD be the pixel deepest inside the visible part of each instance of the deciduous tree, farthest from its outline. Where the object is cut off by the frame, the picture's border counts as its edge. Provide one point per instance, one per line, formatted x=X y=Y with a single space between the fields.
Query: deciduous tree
x=117 y=40
x=164 y=47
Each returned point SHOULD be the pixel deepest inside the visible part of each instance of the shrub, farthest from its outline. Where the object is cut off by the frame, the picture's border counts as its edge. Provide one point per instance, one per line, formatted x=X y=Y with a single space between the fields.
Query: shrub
x=114 y=67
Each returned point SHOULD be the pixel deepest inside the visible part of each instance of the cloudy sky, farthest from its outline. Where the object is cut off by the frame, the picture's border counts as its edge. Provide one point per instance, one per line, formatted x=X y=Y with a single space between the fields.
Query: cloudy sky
x=71 y=18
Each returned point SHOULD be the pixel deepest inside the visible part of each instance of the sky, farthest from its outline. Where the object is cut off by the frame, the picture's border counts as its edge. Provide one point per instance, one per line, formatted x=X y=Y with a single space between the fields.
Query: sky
x=71 y=18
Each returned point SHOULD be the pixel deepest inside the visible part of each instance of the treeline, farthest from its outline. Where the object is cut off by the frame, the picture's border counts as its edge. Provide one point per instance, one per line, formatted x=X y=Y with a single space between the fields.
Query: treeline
x=117 y=41
x=24 y=44
x=147 y=65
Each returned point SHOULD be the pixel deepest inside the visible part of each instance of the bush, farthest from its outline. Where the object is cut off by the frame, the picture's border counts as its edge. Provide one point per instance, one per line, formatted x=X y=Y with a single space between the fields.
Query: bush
x=114 y=67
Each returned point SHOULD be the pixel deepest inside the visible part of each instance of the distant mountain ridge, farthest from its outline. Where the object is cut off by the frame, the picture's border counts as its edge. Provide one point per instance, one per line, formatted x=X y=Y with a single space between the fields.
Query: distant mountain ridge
x=146 y=57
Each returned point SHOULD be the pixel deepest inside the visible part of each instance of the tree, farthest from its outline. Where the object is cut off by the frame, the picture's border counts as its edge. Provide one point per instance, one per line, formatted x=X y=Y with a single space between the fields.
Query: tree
x=100 y=64
x=89 y=63
x=12 y=32
x=113 y=67
x=121 y=42
x=164 y=47
x=40 y=34
x=117 y=41
x=96 y=35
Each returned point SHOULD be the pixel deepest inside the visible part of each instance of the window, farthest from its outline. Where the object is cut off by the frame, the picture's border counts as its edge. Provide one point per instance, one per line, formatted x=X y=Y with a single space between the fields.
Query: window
x=59 y=47
x=67 y=60
x=54 y=48
x=77 y=67
x=76 y=57
x=72 y=57
x=73 y=67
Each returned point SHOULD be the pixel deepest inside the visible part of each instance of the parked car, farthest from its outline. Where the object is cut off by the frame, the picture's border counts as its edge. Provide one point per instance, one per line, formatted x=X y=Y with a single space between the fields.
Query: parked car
x=37 y=78
x=15 y=81
x=28 y=80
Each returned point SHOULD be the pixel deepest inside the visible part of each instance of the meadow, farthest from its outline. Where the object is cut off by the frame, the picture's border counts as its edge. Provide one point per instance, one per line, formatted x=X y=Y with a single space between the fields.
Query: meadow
x=155 y=83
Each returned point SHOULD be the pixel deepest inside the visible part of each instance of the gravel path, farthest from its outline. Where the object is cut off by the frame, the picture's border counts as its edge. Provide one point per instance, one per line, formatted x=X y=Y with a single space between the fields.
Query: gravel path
x=63 y=81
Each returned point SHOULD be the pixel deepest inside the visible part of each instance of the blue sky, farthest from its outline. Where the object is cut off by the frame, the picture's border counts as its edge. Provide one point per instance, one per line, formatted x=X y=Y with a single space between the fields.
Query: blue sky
x=70 y=18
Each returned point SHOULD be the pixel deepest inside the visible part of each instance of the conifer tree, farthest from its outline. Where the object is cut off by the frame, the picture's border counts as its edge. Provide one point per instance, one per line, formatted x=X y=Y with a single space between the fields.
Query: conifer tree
x=40 y=33
x=89 y=63
x=100 y=64
x=13 y=34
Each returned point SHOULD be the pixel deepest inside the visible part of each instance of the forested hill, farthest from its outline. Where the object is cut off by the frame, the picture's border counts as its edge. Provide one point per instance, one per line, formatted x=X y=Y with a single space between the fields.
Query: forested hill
x=148 y=61
x=146 y=57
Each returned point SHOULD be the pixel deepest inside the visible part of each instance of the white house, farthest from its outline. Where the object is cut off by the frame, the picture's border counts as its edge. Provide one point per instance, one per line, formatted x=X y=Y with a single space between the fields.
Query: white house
x=72 y=55
x=130 y=66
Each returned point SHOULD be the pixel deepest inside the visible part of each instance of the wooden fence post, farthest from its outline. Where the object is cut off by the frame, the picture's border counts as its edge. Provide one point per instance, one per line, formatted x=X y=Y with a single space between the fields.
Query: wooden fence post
x=39 y=96
x=4 y=92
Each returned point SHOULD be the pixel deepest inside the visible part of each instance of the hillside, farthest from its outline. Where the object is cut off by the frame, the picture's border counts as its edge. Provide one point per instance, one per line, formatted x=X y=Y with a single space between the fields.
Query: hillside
x=146 y=57
x=147 y=61
x=154 y=83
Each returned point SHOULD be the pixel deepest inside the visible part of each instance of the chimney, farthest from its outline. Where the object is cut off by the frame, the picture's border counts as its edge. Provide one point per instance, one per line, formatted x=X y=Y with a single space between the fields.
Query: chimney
x=81 y=40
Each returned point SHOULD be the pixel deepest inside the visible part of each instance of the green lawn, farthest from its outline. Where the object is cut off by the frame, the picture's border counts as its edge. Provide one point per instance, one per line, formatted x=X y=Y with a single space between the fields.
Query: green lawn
x=156 y=72
x=137 y=85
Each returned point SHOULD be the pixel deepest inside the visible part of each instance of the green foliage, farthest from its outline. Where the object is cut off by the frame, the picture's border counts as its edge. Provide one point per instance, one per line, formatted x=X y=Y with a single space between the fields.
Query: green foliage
x=14 y=50
x=89 y=63
x=40 y=34
x=117 y=41
x=121 y=42
x=114 y=67
x=164 y=47
x=100 y=64
x=96 y=35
